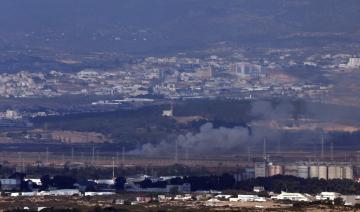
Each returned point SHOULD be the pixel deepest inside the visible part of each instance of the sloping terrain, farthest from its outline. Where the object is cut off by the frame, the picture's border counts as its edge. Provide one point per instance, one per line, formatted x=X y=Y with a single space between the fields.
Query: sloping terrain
x=159 y=26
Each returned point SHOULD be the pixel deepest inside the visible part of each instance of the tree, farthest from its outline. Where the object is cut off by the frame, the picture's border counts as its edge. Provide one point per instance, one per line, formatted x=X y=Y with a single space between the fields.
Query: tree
x=357 y=206
x=45 y=182
x=120 y=183
x=174 y=190
x=146 y=183
x=227 y=181
x=63 y=182
x=339 y=201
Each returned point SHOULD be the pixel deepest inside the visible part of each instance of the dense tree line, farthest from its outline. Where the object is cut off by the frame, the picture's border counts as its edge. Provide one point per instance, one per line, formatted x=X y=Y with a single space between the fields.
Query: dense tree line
x=133 y=127
x=212 y=182
x=294 y=184
x=223 y=182
x=276 y=184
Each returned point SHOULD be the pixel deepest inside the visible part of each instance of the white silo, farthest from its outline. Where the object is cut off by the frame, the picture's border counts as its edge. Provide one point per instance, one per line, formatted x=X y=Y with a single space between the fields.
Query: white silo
x=323 y=172
x=334 y=172
x=275 y=170
x=303 y=171
x=348 y=172
x=339 y=172
x=314 y=171
x=260 y=169
x=291 y=170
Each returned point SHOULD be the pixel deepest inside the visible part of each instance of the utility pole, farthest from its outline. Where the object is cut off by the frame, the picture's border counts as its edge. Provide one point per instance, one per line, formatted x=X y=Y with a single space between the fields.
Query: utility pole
x=72 y=155
x=113 y=168
x=22 y=164
x=322 y=147
x=117 y=158
x=176 y=151
x=264 y=149
x=93 y=155
x=279 y=148
x=332 y=151
x=47 y=155
x=123 y=155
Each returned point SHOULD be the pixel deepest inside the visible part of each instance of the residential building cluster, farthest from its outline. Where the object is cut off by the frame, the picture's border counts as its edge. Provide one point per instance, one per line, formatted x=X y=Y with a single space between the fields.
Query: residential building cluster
x=269 y=74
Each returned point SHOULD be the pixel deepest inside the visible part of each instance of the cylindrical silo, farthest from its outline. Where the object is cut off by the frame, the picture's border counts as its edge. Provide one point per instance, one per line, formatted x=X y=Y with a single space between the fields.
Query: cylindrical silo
x=279 y=170
x=314 y=171
x=339 y=172
x=260 y=169
x=275 y=170
x=334 y=172
x=271 y=169
x=303 y=171
x=323 y=172
x=290 y=170
x=348 y=172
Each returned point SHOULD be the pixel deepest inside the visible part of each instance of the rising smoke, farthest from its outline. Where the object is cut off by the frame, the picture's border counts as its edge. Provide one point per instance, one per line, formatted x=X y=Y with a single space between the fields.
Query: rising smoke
x=208 y=140
x=223 y=140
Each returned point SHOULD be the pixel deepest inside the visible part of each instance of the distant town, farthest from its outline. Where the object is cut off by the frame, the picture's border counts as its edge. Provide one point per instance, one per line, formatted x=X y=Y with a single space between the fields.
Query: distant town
x=267 y=75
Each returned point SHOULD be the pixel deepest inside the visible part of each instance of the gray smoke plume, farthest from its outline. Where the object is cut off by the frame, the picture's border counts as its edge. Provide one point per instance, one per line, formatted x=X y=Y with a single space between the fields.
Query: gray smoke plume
x=268 y=110
x=208 y=140
x=224 y=140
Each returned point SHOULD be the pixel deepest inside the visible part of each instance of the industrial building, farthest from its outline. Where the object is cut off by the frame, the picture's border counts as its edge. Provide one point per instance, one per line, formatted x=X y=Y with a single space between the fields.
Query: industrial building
x=293 y=197
x=245 y=69
x=354 y=63
x=261 y=169
x=324 y=170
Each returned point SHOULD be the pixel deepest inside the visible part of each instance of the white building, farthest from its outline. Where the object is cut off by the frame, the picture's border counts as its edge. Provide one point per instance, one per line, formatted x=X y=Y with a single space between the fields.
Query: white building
x=65 y=192
x=293 y=197
x=327 y=196
x=247 y=198
x=258 y=189
x=99 y=193
x=354 y=63
x=260 y=169
x=12 y=114
x=167 y=113
x=223 y=196
x=105 y=181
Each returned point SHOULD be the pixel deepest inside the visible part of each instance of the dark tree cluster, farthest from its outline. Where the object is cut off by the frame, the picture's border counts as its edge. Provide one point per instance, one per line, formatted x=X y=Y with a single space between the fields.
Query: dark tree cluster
x=60 y=182
x=223 y=182
x=294 y=184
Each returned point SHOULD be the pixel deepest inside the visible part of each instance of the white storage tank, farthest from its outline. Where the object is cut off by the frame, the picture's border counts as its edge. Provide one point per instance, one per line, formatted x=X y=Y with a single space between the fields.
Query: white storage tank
x=290 y=170
x=314 y=171
x=334 y=172
x=260 y=169
x=348 y=172
x=323 y=172
x=275 y=170
x=303 y=171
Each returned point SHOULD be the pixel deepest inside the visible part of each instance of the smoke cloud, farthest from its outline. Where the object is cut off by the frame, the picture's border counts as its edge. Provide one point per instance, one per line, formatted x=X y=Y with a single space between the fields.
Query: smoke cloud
x=223 y=140
x=209 y=140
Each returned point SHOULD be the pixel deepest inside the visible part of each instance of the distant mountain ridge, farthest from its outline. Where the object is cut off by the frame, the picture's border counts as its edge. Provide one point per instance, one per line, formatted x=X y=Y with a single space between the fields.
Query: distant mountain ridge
x=139 y=26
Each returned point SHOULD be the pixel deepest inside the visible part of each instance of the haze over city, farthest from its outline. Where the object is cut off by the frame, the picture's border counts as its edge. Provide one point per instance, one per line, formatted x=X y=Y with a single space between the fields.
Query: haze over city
x=179 y=105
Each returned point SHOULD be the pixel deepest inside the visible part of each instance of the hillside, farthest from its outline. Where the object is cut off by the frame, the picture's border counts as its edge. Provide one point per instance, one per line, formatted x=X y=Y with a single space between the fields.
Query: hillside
x=161 y=26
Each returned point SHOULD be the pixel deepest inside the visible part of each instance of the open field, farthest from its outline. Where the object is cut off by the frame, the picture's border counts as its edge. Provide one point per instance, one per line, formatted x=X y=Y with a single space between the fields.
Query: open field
x=112 y=203
x=106 y=159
